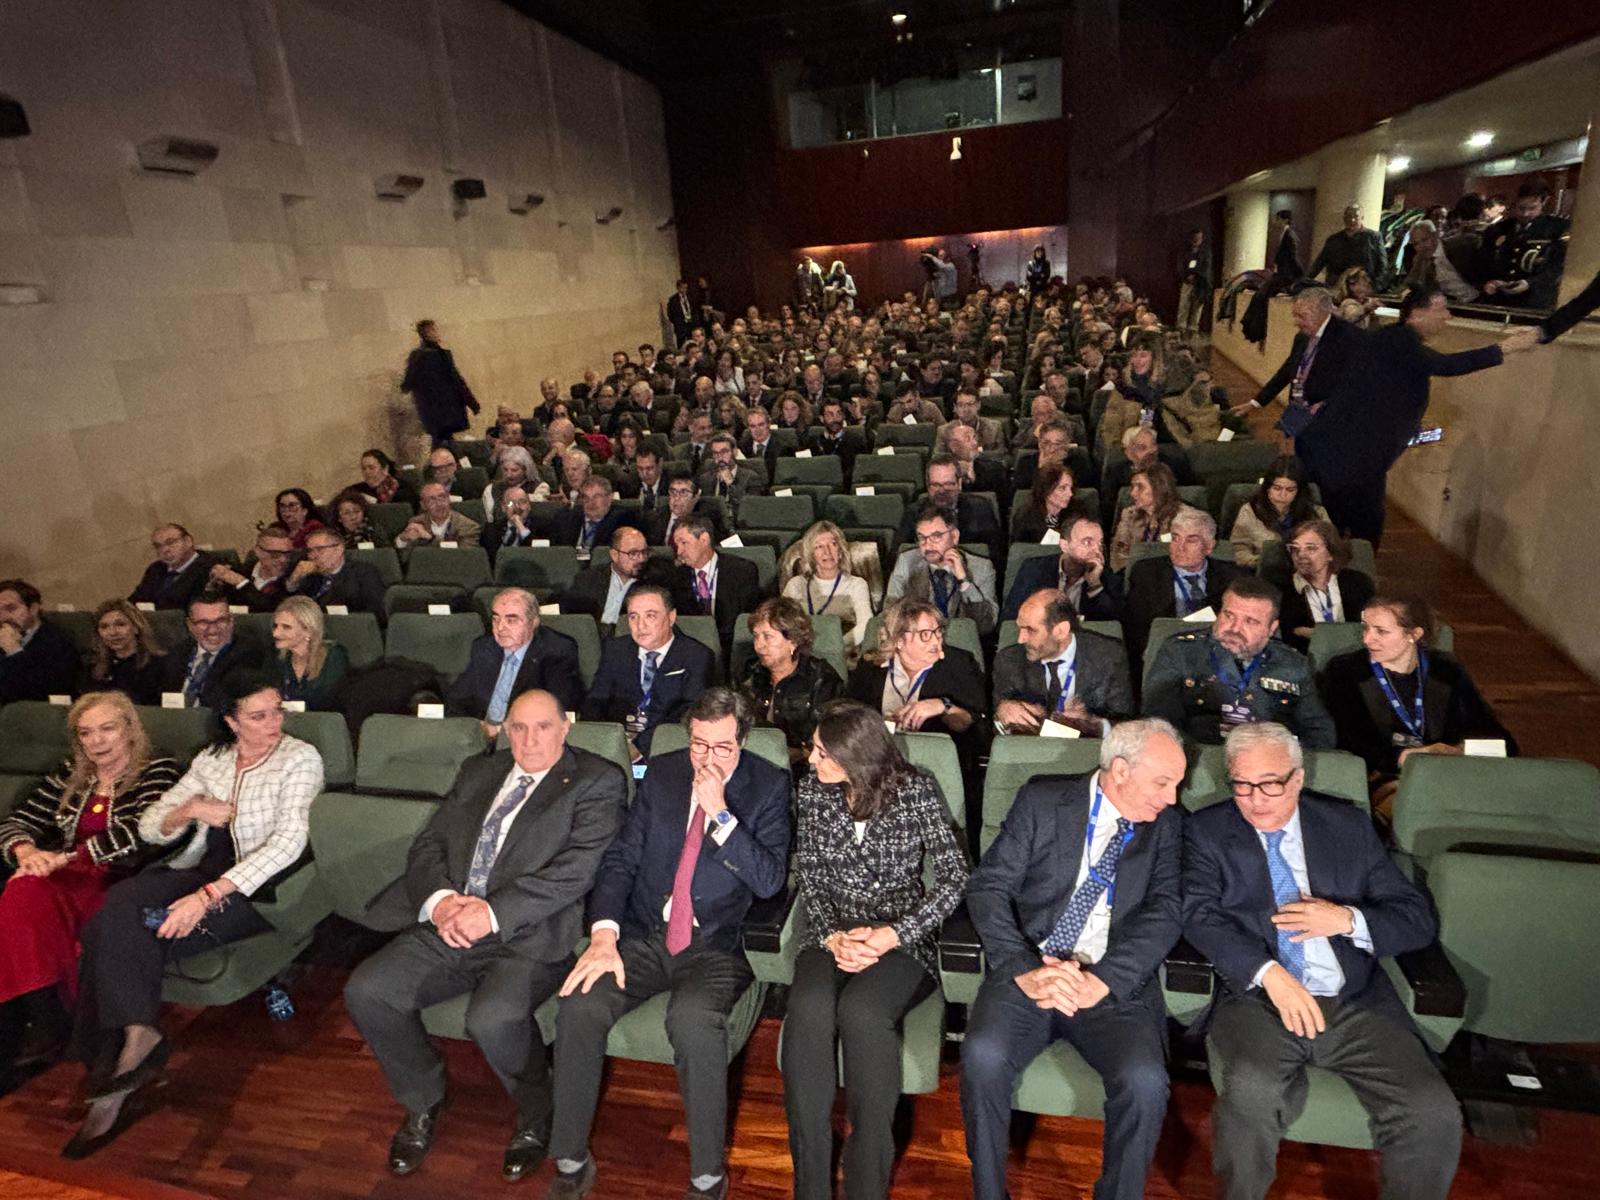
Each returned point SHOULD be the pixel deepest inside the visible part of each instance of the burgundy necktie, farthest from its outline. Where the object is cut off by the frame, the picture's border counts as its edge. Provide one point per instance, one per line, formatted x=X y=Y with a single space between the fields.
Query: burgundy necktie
x=680 y=922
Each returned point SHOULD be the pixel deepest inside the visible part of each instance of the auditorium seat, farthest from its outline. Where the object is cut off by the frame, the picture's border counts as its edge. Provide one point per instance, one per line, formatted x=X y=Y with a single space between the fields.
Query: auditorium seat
x=936 y=754
x=472 y=509
x=1013 y=760
x=389 y=519
x=33 y=743
x=827 y=644
x=1020 y=553
x=822 y=469
x=776 y=512
x=328 y=732
x=78 y=625
x=1330 y=639
x=703 y=629
x=900 y=474
x=546 y=571
x=384 y=559
x=466 y=567
x=765 y=559
x=414 y=756
x=178 y=733
x=1328 y=772
x=1220 y=465
x=422 y=598
x=918 y=436
x=359 y=634
x=444 y=642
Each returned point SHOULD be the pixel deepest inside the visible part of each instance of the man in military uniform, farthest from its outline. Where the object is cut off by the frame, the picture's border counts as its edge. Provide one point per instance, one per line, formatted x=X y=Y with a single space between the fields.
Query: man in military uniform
x=1210 y=681
x=1522 y=256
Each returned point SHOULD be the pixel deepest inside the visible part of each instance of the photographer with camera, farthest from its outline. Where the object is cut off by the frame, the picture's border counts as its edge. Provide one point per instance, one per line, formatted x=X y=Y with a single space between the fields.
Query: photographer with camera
x=941 y=274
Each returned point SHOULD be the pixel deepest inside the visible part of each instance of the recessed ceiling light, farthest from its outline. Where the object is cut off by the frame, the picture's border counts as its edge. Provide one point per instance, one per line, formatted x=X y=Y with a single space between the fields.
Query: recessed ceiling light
x=898 y=19
x=1398 y=163
x=1480 y=139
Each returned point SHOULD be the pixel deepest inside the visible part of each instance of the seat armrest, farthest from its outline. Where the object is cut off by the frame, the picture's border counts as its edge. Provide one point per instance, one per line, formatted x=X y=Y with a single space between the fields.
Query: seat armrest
x=960 y=951
x=1435 y=989
x=764 y=922
x=1188 y=971
x=299 y=902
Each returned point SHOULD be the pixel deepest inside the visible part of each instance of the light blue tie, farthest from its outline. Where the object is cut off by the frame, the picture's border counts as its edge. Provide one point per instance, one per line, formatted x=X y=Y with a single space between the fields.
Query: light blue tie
x=489 y=839
x=1069 y=926
x=647 y=675
x=1285 y=891
x=500 y=698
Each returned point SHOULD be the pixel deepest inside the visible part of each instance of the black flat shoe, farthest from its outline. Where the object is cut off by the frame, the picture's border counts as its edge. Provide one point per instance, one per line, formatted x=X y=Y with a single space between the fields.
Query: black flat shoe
x=574 y=1186
x=525 y=1151
x=413 y=1140
x=135 y=1108
x=135 y=1077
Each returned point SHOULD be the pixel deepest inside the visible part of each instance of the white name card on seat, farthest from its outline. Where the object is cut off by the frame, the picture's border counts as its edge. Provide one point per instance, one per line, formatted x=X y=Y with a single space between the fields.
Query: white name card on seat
x=884 y=451
x=171 y=699
x=1166 y=537
x=238 y=610
x=866 y=490
x=783 y=491
x=542 y=543
x=431 y=712
x=338 y=610
x=1526 y=1082
x=891 y=727
x=802 y=454
x=449 y=545
x=438 y=610
x=733 y=541
x=1202 y=615
x=142 y=606
x=1055 y=729
x=1484 y=748
x=1225 y=436
x=572 y=718
x=909 y=419
x=63 y=701
x=294 y=706
x=1052 y=537
x=365 y=546
x=549 y=610
x=74 y=607
x=465 y=461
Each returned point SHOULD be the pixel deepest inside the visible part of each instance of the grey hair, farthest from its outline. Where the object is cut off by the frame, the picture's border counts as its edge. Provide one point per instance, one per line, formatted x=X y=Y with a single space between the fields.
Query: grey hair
x=1263 y=735
x=530 y=602
x=1189 y=517
x=1426 y=225
x=519 y=454
x=1319 y=298
x=1129 y=434
x=1128 y=740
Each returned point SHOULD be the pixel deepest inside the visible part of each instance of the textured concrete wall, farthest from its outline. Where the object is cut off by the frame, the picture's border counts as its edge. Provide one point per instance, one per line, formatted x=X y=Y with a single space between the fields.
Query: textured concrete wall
x=206 y=341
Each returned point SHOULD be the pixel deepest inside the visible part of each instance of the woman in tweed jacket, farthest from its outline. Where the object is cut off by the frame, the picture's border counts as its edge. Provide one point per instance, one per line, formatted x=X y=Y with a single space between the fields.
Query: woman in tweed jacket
x=869 y=823
x=241 y=811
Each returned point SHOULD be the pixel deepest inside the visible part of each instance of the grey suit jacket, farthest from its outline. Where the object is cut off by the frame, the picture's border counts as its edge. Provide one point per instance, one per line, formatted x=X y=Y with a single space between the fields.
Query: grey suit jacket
x=1101 y=677
x=546 y=866
x=912 y=578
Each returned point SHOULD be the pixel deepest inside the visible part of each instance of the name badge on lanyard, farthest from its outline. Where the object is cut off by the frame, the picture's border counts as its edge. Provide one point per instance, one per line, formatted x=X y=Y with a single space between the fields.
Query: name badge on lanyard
x=905 y=697
x=1088 y=840
x=1066 y=687
x=1236 y=711
x=1412 y=723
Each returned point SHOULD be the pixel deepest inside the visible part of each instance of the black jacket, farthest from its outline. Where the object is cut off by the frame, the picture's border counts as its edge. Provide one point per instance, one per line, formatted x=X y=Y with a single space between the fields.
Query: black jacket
x=141 y=684
x=738 y=591
x=1355 y=589
x=241 y=654
x=1341 y=341
x=1150 y=595
x=957 y=675
x=588 y=591
x=164 y=589
x=850 y=444
x=357 y=586
x=793 y=708
x=1041 y=572
x=685 y=672
x=1100 y=677
x=441 y=395
x=974 y=518
x=47 y=666
x=550 y=663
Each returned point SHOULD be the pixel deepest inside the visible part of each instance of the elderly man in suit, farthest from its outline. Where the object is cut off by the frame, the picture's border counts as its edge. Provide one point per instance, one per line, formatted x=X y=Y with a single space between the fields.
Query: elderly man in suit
x=1185 y=582
x=1323 y=351
x=1057 y=672
x=1094 y=592
x=1077 y=904
x=511 y=527
x=328 y=576
x=179 y=573
x=937 y=570
x=1294 y=900
x=652 y=674
x=707 y=833
x=592 y=522
x=437 y=522
x=518 y=653
x=491 y=905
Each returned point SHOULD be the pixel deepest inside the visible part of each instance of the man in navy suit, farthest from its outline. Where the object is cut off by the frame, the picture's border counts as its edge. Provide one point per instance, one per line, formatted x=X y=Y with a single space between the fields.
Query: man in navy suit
x=1188 y=580
x=327 y=575
x=1076 y=903
x=1294 y=900
x=1319 y=359
x=708 y=832
x=721 y=585
x=651 y=676
x=179 y=573
x=1080 y=572
x=592 y=522
x=518 y=654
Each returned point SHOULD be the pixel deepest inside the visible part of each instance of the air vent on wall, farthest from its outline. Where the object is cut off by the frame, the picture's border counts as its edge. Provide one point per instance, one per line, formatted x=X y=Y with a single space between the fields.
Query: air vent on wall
x=468 y=189
x=176 y=155
x=605 y=218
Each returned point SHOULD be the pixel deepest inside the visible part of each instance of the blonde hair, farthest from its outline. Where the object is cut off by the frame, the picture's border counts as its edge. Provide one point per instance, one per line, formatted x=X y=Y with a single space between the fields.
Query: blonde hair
x=897 y=619
x=147 y=645
x=81 y=775
x=305 y=612
x=808 y=548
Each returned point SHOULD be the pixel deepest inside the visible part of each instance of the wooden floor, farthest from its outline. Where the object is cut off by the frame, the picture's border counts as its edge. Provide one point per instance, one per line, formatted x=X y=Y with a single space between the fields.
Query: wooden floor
x=299 y=1111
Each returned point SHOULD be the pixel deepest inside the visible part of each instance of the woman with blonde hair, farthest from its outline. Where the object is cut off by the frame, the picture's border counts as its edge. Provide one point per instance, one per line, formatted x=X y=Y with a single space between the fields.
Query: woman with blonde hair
x=124 y=654
x=825 y=583
x=68 y=842
x=1352 y=293
x=311 y=667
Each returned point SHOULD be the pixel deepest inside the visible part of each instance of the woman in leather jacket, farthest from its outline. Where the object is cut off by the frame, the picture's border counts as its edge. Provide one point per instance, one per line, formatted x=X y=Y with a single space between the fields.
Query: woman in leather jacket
x=784 y=681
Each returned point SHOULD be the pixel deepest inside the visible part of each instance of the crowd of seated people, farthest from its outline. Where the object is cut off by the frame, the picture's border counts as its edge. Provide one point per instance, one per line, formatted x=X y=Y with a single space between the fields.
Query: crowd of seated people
x=937 y=622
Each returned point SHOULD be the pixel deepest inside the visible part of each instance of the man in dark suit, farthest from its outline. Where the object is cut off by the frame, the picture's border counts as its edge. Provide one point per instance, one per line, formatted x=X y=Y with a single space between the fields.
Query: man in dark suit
x=600 y=590
x=179 y=573
x=1064 y=963
x=211 y=653
x=517 y=654
x=1294 y=900
x=329 y=578
x=37 y=660
x=1321 y=357
x=1286 y=262
x=683 y=501
x=266 y=586
x=1187 y=581
x=725 y=476
x=707 y=833
x=972 y=516
x=1055 y=445
x=1377 y=409
x=836 y=438
x=720 y=584
x=491 y=905
x=648 y=483
x=653 y=674
x=757 y=444
x=1058 y=672
x=979 y=472
x=593 y=522
x=431 y=379
x=1094 y=592
x=512 y=527
x=681 y=312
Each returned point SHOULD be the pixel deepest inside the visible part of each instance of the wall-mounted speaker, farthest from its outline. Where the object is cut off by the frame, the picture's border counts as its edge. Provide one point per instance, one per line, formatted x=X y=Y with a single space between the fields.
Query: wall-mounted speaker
x=468 y=189
x=396 y=187
x=13 y=119
x=177 y=155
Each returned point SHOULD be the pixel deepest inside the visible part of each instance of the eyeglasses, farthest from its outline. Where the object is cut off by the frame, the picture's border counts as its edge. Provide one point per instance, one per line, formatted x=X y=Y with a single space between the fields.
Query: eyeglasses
x=927 y=539
x=721 y=751
x=217 y=623
x=640 y=553
x=1267 y=787
x=167 y=543
x=926 y=635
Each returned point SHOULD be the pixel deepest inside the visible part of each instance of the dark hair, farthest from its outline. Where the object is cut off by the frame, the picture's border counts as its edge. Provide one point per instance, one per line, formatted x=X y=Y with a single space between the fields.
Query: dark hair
x=716 y=703
x=1411 y=610
x=648 y=589
x=427 y=323
x=724 y=438
x=1253 y=587
x=384 y=460
x=207 y=595
x=1283 y=214
x=1469 y=208
x=234 y=689
x=929 y=511
x=182 y=532
x=788 y=618
x=1045 y=480
x=699 y=525
x=1418 y=297
x=855 y=737
x=1534 y=188
x=301 y=495
x=1285 y=466
x=1164 y=485
x=26 y=592
x=1057 y=608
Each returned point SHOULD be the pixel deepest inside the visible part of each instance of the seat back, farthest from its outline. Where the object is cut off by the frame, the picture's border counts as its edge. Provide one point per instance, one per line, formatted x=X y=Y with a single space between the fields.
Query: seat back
x=389 y=519
x=384 y=559
x=888 y=468
x=328 y=732
x=581 y=628
x=361 y=844
x=33 y=737
x=608 y=740
x=776 y=512
x=936 y=754
x=827 y=643
x=898 y=434
x=703 y=629
x=824 y=468
x=178 y=733
x=543 y=570
x=1447 y=802
x=465 y=567
x=1015 y=760
x=1160 y=630
x=1331 y=639
x=765 y=559
x=763 y=742
x=1329 y=772
x=1020 y=553
x=414 y=756
x=78 y=625
x=444 y=642
x=359 y=634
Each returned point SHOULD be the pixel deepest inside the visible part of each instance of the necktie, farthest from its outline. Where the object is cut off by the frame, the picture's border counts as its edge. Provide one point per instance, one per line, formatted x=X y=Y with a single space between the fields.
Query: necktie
x=1194 y=595
x=647 y=499
x=489 y=840
x=702 y=590
x=941 y=590
x=197 y=678
x=1285 y=891
x=511 y=534
x=647 y=674
x=1069 y=926
x=680 y=921
x=587 y=540
x=325 y=586
x=1054 y=666
x=500 y=698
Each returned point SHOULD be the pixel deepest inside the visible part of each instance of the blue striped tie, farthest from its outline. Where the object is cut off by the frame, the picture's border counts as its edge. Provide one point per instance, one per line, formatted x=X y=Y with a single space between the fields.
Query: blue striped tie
x=489 y=840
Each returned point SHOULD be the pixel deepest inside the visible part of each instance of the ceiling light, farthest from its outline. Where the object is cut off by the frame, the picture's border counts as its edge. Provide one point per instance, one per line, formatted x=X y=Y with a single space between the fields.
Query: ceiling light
x=1480 y=139
x=1398 y=163
x=898 y=19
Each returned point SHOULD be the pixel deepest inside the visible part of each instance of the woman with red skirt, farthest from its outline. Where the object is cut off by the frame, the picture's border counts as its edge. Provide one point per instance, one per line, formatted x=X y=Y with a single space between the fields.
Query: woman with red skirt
x=75 y=836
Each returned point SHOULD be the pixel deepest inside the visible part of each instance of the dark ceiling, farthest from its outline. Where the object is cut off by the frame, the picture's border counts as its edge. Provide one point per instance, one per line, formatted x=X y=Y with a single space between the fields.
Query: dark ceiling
x=679 y=39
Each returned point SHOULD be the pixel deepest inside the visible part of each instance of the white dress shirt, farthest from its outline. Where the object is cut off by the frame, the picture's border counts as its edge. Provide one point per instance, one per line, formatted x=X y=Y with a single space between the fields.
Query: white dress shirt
x=506 y=788
x=1324 y=976
x=616 y=592
x=1091 y=944
x=1314 y=597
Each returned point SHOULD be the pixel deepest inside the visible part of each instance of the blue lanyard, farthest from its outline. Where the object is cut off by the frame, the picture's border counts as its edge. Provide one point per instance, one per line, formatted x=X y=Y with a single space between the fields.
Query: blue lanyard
x=1088 y=841
x=905 y=697
x=1246 y=672
x=1413 y=724
x=1066 y=688
x=1324 y=601
x=837 y=580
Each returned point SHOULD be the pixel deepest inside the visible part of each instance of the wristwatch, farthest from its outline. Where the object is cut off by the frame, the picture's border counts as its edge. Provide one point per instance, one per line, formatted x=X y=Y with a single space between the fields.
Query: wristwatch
x=723 y=817
x=945 y=700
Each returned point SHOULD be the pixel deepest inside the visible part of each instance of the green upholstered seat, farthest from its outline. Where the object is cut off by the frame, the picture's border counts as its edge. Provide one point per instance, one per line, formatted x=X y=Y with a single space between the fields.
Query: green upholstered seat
x=466 y=567
x=1329 y=772
x=414 y=756
x=443 y=642
x=543 y=570
x=1015 y=760
x=776 y=512
x=359 y=634
x=328 y=732
x=178 y=733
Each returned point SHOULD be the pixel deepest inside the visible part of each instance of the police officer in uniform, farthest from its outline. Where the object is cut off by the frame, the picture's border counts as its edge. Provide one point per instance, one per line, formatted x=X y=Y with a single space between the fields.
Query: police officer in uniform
x=1523 y=255
x=1209 y=681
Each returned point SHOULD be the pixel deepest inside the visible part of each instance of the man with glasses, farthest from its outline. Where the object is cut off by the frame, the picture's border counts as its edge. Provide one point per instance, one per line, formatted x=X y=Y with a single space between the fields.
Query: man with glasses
x=683 y=496
x=1301 y=985
x=1211 y=680
x=648 y=675
x=707 y=833
x=267 y=584
x=511 y=527
x=517 y=654
x=974 y=517
x=332 y=580
x=179 y=573
x=937 y=570
x=599 y=590
x=197 y=669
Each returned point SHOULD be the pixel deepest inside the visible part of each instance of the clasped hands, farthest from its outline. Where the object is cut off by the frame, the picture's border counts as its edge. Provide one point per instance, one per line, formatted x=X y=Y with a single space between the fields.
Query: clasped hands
x=33 y=861
x=1303 y=920
x=1024 y=716
x=854 y=950
x=462 y=920
x=1063 y=985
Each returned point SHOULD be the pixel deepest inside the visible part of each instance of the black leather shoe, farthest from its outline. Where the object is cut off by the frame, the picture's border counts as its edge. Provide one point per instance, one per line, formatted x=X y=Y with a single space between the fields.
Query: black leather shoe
x=571 y=1187
x=525 y=1151
x=135 y=1107
x=136 y=1077
x=412 y=1141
